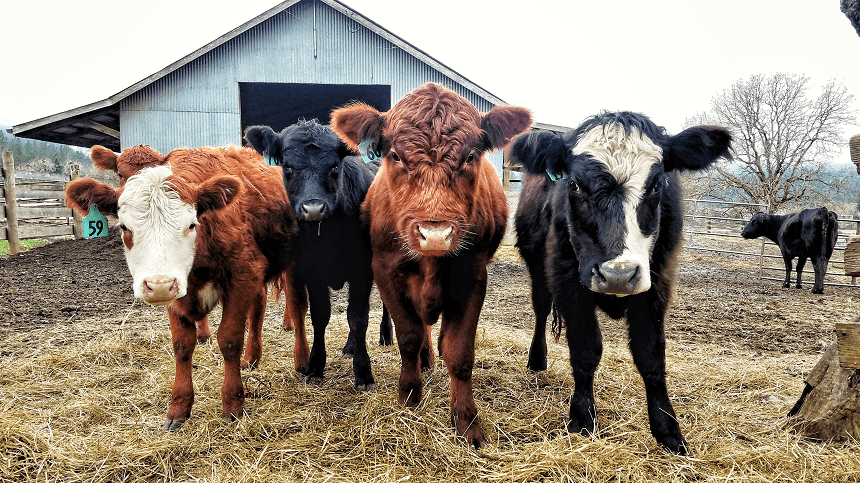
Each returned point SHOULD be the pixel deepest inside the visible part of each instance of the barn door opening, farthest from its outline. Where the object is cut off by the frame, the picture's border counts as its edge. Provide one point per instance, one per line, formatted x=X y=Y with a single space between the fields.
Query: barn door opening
x=278 y=105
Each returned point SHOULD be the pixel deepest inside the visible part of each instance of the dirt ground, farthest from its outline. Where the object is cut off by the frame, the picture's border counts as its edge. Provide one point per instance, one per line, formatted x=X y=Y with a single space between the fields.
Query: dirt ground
x=718 y=298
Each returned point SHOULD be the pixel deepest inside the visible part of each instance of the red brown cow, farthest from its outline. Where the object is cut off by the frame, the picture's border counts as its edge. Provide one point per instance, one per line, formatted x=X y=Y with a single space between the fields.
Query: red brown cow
x=437 y=213
x=127 y=164
x=211 y=225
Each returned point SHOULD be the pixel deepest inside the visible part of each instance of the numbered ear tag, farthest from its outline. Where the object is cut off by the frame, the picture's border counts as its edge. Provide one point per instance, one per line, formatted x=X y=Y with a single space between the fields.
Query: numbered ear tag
x=95 y=224
x=556 y=176
x=368 y=154
x=270 y=161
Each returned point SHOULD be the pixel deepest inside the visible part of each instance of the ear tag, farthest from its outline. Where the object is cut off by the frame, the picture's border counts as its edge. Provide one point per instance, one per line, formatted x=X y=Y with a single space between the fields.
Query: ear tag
x=554 y=177
x=368 y=154
x=270 y=161
x=95 y=224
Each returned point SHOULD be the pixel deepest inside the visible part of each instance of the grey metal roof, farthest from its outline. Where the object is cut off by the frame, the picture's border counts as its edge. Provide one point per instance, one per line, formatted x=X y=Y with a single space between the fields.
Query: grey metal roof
x=98 y=122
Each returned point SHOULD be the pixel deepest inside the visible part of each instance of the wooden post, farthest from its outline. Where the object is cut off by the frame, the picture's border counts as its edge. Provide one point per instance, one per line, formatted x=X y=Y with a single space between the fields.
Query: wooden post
x=78 y=227
x=506 y=172
x=11 y=203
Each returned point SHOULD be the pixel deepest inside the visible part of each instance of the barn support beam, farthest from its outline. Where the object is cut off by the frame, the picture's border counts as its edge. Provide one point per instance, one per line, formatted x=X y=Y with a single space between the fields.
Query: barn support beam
x=11 y=203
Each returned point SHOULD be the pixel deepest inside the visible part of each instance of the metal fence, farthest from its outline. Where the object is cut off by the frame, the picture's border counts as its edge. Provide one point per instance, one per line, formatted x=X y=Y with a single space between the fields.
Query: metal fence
x=711 y=225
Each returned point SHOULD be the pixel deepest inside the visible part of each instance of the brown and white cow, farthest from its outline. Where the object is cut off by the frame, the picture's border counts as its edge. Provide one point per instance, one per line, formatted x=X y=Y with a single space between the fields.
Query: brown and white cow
x=437 y=213
x=210 y=225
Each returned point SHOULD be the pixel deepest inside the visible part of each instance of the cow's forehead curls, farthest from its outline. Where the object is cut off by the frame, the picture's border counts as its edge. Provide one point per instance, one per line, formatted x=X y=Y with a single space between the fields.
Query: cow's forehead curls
x=431 y=118
x=625 y=151
x=150 y=192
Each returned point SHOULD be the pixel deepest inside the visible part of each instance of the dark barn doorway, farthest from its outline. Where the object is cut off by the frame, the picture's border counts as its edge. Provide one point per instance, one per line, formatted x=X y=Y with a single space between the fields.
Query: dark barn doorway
x=279 y=105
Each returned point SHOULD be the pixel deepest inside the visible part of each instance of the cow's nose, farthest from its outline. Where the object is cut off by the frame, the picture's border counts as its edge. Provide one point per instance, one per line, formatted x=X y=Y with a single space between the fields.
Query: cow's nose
x=160 y=290
x=616 y=277
x=313 y=210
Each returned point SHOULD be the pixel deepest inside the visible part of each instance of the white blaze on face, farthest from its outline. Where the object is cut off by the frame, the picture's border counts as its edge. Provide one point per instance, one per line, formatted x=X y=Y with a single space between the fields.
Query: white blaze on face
x=163 y=233
x=629 y=159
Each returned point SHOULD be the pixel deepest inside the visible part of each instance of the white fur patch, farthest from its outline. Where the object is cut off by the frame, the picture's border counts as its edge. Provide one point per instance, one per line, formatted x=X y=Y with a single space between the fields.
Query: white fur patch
x=209 y=297
x=159 y=221
x=629 y=159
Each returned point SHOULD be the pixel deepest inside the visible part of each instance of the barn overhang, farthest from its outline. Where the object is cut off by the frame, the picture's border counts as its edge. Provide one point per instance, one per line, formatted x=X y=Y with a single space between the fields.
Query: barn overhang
x=85 y=127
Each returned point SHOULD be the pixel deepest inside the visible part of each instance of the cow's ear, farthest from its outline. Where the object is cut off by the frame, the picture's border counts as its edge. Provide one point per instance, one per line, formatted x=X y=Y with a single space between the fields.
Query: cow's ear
x=502 y=123
x=216 y=193
x=83 y=192
x=261 y=138
x=103 y=158
x=540 y=152
x=697 y=148
x=356 y=123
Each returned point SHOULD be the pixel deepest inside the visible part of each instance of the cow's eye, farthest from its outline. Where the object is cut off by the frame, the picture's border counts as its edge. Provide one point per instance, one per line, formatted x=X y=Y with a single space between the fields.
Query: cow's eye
x=334 y=168
x=395 y=157
x=574 y=186
x=193 y=226
x=470 y=158
x=123 y=227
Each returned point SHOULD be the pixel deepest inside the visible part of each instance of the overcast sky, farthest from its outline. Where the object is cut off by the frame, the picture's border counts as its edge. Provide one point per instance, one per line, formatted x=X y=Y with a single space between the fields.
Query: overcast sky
x=564 y=59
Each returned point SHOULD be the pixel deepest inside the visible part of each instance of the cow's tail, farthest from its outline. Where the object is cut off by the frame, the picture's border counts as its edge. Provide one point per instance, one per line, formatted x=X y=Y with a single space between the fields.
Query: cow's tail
x=824 y=214
x=557 y=323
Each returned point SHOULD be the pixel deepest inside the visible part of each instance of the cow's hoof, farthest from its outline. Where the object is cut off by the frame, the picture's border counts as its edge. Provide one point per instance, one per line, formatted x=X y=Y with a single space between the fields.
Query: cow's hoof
x=786 y=285
x=287 y=328
x=818 y=291
x=313 y=380
x=172 y=425
x=347 y=355
x=674 y=444
x=365 y=387
x=385 y=340
x=536 y=365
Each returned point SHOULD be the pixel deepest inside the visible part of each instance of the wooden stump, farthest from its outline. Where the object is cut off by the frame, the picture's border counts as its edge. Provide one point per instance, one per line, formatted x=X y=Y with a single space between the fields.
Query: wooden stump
x=852 y=256
x=829 y=408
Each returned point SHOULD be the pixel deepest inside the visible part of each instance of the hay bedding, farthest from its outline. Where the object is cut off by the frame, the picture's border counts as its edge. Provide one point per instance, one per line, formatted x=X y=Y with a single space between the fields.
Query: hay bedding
x=86 y=377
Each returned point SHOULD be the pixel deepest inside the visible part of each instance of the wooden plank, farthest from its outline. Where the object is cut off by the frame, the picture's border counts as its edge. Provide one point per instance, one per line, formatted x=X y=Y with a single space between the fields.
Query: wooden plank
x=37 y=176
x=848 y=344
x=44 y=231
x=26 y=212
x=42 y=195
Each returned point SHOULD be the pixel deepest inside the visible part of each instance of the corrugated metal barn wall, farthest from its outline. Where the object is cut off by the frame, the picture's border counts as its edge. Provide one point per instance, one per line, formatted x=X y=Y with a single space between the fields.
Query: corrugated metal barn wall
x=199 y=105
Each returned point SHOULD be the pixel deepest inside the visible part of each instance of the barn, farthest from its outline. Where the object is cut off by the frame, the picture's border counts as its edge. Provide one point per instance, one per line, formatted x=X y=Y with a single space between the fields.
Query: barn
x=297 y=60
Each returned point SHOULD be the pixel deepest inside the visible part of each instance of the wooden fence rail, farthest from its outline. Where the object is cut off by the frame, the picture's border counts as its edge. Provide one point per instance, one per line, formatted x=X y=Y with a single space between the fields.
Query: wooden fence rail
x=33 y=205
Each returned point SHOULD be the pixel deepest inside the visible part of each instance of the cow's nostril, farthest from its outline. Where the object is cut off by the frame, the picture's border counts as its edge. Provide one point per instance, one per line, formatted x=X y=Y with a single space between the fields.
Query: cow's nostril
x=313 y=210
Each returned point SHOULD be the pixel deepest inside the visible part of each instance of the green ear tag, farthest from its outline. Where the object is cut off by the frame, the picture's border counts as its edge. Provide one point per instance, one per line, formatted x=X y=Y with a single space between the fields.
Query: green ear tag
x=554 y=177
x=95 y=224
x=270 y=160
x=368 y=154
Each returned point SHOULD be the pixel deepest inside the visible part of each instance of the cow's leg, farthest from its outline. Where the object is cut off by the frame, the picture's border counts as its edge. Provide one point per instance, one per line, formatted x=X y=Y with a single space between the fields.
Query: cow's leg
x=457 y=348
x=296 y=305
x=385 y=329
x=787 y=282
x=183 y=333
x=357 y=314
x=428 y=358
x=254 y=343
x=231 y=333
x=648 y=347
x=801 y=262
x=203 y=331
x=320 y=304
x=542 y=305
x=585 y=344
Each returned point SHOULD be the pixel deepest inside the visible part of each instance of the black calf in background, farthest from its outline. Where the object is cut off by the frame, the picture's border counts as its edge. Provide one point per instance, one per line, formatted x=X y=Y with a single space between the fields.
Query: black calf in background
x=326 y=186
x=597 y=224
x=809 y=234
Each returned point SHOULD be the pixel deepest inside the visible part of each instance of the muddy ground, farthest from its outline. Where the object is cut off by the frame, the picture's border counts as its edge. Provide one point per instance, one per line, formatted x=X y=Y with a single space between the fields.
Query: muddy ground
x=719 y=298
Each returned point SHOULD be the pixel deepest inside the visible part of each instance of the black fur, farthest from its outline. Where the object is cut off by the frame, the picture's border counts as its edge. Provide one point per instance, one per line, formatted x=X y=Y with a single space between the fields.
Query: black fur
x=326 y=187
x=567 y=226
x=809 y=234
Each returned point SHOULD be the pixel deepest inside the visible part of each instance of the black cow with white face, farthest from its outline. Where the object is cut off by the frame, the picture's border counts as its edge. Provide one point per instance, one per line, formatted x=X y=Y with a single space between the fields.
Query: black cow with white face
x=326 y=186
x=597 y=224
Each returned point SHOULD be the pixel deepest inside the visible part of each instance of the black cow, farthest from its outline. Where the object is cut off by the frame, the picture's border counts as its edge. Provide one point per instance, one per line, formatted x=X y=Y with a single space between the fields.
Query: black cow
x=597 y=224
x=326 y=186
x=809 y=234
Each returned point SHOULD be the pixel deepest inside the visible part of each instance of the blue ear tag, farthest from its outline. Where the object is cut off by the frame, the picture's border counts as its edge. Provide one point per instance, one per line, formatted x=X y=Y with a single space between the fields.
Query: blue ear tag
x=95 y=224
x=270 y=161
x=368 y=154
x=554 y=177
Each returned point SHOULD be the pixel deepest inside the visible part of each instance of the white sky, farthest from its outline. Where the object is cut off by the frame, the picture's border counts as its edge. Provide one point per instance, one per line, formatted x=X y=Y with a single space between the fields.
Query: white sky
x=564 y=59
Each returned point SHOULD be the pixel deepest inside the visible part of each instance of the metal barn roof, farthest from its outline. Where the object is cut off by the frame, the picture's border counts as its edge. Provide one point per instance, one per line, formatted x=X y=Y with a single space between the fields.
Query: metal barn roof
x=98 y=122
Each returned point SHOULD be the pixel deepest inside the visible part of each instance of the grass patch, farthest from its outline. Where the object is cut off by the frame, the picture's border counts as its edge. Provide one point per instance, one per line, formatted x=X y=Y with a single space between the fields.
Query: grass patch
x=25 y=245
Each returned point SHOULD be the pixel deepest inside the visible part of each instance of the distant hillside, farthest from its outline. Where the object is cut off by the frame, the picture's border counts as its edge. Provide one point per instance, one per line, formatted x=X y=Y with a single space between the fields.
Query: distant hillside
x=32 y=155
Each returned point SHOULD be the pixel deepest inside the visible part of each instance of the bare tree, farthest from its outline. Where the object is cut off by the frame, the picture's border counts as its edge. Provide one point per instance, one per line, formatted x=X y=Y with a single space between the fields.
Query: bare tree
x=782 y=141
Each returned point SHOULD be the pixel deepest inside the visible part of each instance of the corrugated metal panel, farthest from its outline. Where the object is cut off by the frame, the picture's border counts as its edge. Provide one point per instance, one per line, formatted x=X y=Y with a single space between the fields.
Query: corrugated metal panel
x=309 y=42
